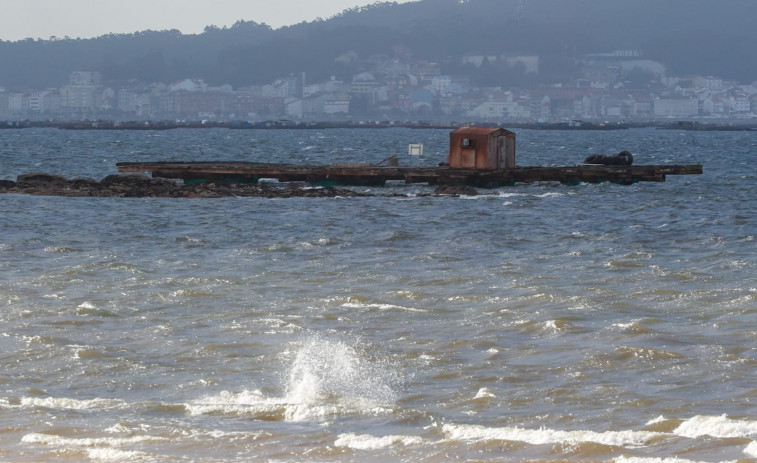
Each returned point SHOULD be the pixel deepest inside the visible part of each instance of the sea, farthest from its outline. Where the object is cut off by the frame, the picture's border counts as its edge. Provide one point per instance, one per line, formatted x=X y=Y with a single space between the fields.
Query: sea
x=530 y=323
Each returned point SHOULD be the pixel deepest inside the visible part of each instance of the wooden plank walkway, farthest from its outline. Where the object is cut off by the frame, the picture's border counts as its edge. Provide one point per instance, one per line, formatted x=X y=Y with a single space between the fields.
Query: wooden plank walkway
x=370 y=175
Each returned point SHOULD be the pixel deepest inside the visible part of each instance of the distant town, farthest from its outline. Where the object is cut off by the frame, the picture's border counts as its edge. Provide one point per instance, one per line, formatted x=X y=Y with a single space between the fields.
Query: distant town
x=620 y=87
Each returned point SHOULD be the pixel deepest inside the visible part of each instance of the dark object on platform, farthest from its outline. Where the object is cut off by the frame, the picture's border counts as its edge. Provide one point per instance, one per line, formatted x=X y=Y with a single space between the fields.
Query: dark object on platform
x=624 y=158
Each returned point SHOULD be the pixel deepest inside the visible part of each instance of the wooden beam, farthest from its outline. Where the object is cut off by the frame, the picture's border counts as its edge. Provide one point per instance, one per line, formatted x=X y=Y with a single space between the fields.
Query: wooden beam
x=378 y=175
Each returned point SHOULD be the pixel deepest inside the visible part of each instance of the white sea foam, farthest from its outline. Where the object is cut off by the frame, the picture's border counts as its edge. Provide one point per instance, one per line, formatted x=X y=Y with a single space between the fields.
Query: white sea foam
x=656 y=460
x=96 y=448
x=484 y=393
x=52 y=440
x=751 y=449
x=107 y=454
x=118 y=428
x=716 y=426
x=358 y=305
x=253 y=403
x=368 y=442
x=61 y=403
x=547 y=436
x=551 y=327
x=310 y=244
x=659 y=419
x=623 y=326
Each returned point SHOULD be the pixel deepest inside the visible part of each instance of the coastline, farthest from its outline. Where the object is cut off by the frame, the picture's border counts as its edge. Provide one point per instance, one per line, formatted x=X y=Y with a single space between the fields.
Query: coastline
x=287 y=124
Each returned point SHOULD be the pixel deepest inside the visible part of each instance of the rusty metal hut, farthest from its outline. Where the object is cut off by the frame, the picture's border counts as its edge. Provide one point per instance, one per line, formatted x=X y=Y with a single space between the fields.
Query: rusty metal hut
x=481 y=148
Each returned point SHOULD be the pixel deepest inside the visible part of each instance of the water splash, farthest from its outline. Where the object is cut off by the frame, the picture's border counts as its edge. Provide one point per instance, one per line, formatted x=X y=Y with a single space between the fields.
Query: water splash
x=336 y=370
x=326 y=378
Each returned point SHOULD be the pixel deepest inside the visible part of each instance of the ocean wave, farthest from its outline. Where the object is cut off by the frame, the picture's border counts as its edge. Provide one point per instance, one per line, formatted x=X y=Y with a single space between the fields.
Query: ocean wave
x=106 y=454
x=60 y=250
x=59 y=403
x=634 y=327
x=95 y=448
x=256 y=405
x=548 y=436
x=485 y=394
x=751 y=449
x=716 y=426
x=54 y=440
x=646 y=353
x=248 y=403
x=368 y=442
x=360 y=305
x=625 y=459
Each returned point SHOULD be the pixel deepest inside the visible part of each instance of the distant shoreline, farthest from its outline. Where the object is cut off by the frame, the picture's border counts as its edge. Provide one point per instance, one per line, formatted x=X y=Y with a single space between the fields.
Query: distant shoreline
x=285 y=124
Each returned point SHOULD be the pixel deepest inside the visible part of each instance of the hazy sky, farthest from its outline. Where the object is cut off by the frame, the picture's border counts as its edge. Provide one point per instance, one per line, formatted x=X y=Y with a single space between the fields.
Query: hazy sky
x=20 y=19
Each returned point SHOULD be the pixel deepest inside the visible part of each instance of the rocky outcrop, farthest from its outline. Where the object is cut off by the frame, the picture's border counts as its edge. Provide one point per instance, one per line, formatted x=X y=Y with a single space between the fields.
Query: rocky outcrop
x=456 y=190
x=140 y=186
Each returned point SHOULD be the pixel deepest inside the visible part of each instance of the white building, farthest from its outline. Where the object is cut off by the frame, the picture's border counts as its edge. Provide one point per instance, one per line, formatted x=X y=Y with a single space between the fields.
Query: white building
x=341 y=106
x=676 y=107
x=294 y=107
x=713 y=84
x=80 y=97
x=494 y=110
x=45 y=101
x=440 y=83
x=3 y=105
x=488 y=110
x=18 y=103
x=84 y=92
x=741 y=104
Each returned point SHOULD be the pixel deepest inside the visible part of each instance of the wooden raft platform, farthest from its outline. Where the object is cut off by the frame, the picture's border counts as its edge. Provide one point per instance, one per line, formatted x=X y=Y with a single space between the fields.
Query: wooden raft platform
x=370 y=175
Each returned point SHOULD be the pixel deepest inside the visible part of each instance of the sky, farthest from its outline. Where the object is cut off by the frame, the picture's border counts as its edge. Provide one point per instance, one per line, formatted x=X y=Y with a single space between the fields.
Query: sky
x=21 y=19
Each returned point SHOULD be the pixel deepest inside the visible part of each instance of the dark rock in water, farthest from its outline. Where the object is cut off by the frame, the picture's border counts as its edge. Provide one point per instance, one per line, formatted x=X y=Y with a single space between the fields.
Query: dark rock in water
x=5 y=185
x=134 y=180
x=83 y=184
x=41 y=184
x=139 y=186
x=82 y=187
x=624 y=158
x=38 y=179
x=456 y=190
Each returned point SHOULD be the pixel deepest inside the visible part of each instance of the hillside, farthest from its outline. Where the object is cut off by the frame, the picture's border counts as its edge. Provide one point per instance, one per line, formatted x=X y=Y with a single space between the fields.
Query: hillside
x=690 y=36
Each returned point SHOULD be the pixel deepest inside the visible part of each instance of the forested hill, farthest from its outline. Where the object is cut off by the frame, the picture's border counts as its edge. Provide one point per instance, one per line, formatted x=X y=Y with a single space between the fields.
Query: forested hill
x=711 y=37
